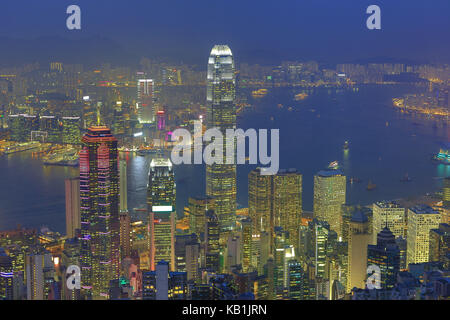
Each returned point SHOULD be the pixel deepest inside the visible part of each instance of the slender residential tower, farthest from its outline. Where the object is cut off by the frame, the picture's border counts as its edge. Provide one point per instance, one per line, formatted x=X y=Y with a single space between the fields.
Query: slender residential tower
x=221 y=114
x=99 y=194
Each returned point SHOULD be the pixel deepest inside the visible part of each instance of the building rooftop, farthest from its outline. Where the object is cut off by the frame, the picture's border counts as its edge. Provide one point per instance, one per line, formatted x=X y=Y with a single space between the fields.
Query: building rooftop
x=330 y=173
x=423 y=209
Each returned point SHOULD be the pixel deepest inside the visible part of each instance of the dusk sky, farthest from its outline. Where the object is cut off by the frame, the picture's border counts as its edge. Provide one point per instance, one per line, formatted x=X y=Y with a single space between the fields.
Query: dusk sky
x=325 y=30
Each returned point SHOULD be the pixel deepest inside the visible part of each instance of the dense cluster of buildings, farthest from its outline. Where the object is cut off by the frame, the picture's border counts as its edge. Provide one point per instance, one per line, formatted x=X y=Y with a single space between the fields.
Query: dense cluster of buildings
x=274 y=250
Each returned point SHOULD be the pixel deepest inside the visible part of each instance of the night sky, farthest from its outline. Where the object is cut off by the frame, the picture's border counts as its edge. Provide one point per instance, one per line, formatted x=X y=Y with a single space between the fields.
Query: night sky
x=260 y=31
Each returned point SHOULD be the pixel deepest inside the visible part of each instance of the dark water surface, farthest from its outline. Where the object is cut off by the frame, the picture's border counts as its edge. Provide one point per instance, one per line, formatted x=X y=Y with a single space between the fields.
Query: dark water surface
x=384 y=145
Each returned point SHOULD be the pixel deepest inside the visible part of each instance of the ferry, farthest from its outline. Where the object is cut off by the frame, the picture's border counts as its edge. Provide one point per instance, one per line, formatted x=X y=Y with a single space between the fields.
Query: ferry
x=346 y=145
x=371 y=186
x=333 y=165
x=259 y=93
x=66 y=157
x=300 y=96
x=21 y=147
x=142 y=151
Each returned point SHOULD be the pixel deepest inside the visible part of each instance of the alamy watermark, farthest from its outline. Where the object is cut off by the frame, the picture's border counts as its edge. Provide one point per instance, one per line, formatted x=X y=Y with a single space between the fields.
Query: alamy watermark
x=235 y=147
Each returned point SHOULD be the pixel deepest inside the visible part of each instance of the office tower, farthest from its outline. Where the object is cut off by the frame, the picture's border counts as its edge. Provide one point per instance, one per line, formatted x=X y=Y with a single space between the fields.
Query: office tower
x=402 y=244
x=247 y=232
x=161 y=120
x=421 y=219
x=446 y=192
x=181 y=243
x=321 y=236
x=233 y=252
x=192 y=257
x=256 y=253
x=99 y=193
x=386 y=255
x=212 y=236
x=124 y=234
x=6 y=276
x=347 y=212
x=282 y=249
x=221 y=114
x=358 y=239
x=389 y=214
x=123 y=203
x=197 y=213
x=39 y=275
x=287 y=202
x=329 y=195
x=73 y=217
x=440 y=245
x=50 y=125
x=146 y=101
x=260 y=201
x=295 y=280
x=71 y=127
x=161 y=197
x=124 y=215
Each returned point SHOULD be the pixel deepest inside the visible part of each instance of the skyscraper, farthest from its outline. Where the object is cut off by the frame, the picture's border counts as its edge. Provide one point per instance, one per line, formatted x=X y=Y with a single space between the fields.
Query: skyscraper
x=73 y=218
x=329 y=195
x=386 y=255
x=146 y=101
x=212 y=247
x=221 y=114
x=440 y=245
x=99 y=193
x=161 y=197
x=359 y=238
x=260 y=201
x=124 y=215
x=388 y=214
x=446 y=192
x=421 y=219
x=247 y=244
x=198 y=206
x=287 y=203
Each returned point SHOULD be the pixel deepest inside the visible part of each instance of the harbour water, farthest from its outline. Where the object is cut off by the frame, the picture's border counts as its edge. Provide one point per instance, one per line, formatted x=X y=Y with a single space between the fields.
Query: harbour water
x=384 y=145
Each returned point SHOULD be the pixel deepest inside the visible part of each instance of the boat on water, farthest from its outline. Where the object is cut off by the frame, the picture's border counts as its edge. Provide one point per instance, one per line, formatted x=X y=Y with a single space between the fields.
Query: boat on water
x=333 y=165
x=62 y=157
x=21 y=147
x=346 y=145
x=406 y=178
x=371 y=186
x=300 y=96
x=259 y=93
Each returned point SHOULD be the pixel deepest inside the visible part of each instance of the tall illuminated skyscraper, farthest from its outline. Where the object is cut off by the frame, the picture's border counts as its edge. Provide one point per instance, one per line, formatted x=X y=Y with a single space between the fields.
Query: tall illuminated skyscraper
x=99 y=193
x=221 y=114
x=287 y=203
x=260 y=201
x=146 y=101
x=388 y=214
x=329 y=195
x=161 y=195
x=421 y=219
